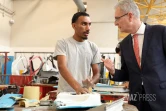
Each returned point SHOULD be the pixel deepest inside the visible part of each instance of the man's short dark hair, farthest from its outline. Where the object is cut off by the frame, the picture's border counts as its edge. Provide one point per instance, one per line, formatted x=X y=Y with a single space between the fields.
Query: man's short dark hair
x=77 y=15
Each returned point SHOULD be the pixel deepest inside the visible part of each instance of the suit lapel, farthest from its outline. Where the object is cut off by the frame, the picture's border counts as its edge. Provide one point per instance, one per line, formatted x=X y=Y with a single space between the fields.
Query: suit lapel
x=146 y=44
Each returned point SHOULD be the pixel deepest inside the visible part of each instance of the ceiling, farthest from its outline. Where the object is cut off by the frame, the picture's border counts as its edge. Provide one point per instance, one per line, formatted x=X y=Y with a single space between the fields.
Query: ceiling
x=152 y=11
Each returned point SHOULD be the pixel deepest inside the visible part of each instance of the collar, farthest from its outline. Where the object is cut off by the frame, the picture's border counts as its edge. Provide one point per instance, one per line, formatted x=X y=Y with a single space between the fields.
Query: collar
x=141 y=30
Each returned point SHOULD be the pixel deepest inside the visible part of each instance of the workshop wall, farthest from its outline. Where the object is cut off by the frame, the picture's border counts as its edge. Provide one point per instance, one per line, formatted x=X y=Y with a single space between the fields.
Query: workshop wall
x=5 y=27
x=40 y=23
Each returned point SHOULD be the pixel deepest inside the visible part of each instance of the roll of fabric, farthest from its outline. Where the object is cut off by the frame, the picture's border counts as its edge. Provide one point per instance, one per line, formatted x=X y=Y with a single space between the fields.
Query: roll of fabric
x=31 y=92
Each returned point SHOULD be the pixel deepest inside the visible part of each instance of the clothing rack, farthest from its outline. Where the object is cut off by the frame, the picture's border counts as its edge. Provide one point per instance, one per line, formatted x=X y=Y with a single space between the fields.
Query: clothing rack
x=6 y=10
x=107 y=52
x=15 y=53
x=33 y=52
x=31 y=56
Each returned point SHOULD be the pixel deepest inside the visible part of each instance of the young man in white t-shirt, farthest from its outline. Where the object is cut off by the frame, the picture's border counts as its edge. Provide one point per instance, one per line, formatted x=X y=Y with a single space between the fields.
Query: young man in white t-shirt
x=76 y=56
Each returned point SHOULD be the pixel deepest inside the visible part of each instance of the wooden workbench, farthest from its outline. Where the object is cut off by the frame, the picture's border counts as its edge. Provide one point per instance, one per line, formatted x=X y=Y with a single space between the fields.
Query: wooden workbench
x=113 y=96
x=126 y=107
x=46 y=85
x=3 y=86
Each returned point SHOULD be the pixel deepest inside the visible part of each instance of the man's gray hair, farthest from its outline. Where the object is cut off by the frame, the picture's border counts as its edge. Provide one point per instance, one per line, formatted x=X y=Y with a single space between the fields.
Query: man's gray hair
x=128 y=6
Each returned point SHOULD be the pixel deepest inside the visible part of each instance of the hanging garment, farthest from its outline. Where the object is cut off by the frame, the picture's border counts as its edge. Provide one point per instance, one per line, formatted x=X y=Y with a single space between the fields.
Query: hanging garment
x=31 y=62
x=51 y=75
x=16 y=65
x=49 y=67
x=46 y=66
x=54 y=68
x=32 y=71
x=28 y=67
x=52 y=60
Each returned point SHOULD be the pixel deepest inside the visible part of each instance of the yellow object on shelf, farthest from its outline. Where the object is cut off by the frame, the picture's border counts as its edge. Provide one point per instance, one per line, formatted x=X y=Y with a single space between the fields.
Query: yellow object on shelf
x=90 y=89
x=112 y=82
x=20 y=72
x=106 y=75
x=31 y=92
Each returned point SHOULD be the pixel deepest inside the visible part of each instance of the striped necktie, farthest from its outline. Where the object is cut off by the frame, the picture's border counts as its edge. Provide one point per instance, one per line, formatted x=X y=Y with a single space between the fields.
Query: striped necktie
x=136 y=49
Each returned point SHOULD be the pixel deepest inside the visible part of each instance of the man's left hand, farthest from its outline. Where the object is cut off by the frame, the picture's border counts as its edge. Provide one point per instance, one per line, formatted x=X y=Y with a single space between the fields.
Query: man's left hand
x=87 y=83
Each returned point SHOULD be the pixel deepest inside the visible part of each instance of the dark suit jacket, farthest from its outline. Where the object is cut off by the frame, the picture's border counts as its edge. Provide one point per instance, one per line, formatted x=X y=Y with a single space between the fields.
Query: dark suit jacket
x=153 y=68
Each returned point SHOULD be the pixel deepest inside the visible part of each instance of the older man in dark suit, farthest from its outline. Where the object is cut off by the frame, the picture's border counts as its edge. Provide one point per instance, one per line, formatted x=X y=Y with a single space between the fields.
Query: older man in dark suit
x=143 y=57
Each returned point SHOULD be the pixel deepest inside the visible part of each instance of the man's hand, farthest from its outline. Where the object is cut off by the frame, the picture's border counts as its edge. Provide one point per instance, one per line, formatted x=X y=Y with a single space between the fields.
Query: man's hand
x=109 y=65
x=88 y=83
x=81 y=90
x=126 y=84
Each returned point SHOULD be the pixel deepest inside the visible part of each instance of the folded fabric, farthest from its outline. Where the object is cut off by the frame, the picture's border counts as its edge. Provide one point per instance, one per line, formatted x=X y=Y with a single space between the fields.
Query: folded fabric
x=7 y=102
x=108 y=88
x=28 y=103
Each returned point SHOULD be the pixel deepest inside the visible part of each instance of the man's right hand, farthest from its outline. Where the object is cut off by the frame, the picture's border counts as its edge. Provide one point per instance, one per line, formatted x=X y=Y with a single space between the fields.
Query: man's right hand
x=82 y=90
x=109 y=65
x=126 y=84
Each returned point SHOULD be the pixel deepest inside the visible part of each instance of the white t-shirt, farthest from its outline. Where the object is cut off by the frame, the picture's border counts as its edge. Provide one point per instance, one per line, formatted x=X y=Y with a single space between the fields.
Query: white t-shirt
x=80 y=56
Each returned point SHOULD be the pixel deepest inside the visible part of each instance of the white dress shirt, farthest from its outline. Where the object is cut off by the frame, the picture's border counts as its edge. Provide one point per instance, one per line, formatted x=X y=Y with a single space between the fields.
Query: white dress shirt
x=140 y=33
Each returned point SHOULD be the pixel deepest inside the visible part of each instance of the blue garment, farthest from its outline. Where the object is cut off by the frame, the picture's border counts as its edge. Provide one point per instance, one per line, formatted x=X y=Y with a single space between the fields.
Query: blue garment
x=7 y=102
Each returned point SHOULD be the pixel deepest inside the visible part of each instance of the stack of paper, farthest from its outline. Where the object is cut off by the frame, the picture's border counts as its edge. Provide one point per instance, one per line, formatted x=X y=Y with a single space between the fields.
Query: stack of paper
x=115 y=106
x=108 y=88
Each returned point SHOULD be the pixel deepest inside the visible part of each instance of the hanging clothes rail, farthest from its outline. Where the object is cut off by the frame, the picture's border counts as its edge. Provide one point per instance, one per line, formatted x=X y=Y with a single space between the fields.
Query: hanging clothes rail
x=108 y=53
x=6 y=10
x=17 y=53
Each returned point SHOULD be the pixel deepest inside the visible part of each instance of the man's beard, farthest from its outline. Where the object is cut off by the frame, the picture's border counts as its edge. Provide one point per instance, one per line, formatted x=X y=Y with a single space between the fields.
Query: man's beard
x=84 y=38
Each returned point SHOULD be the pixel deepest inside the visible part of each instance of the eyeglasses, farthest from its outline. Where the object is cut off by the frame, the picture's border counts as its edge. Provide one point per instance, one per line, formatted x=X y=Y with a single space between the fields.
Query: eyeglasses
x=117 y=18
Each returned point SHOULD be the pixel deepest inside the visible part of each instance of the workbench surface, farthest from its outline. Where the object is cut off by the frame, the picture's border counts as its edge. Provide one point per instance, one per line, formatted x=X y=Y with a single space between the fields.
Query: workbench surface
x=126 y=107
